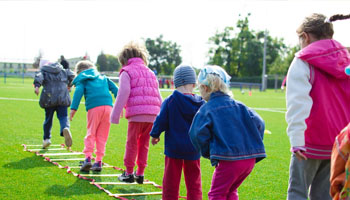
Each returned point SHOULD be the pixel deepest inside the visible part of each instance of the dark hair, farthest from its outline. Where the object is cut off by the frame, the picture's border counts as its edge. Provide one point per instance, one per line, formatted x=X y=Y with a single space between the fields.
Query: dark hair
x=319 y=26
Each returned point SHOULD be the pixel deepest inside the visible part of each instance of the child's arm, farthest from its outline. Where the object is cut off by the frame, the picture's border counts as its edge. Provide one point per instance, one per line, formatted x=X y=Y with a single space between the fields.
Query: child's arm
x=78 y=94
x=38 y=81
x=71 y=76
x=298 y=100
x=161 y=123
x=200 y=134
x=122 y=97
x=112 y=87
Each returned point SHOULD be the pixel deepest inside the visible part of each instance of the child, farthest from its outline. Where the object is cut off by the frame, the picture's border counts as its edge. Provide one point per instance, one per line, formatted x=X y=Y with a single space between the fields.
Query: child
x=340 y=166
x=54 y=97
x=317 y=98
x=175 y=119
x=227 y=132
x=140 y=95
x=98 y=102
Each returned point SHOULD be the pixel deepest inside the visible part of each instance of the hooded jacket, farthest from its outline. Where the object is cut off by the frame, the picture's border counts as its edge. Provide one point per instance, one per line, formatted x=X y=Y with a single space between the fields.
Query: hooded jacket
x=175 y=118
x=55 y=81
x=226 y=129
x=318 y=97
x=95 y=88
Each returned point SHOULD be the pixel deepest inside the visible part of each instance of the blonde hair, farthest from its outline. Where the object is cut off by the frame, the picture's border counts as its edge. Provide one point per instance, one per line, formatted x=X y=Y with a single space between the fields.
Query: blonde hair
x=319 y=26
x=132 y=50
x=83 y=65
x=215 y=84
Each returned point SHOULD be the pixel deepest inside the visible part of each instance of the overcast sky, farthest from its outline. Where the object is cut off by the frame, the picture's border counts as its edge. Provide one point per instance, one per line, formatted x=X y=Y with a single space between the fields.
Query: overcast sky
x=72 y=28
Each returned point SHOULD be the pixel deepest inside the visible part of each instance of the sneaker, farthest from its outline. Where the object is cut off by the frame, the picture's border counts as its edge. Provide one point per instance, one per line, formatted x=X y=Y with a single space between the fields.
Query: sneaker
x=67 y=137
x=86 y=165
x=46 y=143
x=97 y=167
x=126 y=178
x=139 y=179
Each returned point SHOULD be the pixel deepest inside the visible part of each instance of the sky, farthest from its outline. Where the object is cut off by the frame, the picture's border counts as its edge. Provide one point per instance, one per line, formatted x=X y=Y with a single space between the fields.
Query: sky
x=75 y=27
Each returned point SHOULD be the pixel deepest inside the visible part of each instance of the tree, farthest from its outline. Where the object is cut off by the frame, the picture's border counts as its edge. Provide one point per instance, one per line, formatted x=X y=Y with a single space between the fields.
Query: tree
x=240 y=50
x=164 y=56
x=106 y=62
x=281 y=64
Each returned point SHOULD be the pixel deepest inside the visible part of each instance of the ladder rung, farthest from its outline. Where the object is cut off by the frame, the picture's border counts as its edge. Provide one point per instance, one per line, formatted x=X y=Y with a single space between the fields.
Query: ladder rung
x=76 y=167
x=67 y=159
x=40 y=145
x=120 y=183
x=63 y=154
x=47 y=149
x=136 y=194
x=106 y=175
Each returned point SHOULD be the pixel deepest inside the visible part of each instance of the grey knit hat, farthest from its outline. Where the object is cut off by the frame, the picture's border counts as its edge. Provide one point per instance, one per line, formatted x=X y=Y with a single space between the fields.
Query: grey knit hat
x=184 y=74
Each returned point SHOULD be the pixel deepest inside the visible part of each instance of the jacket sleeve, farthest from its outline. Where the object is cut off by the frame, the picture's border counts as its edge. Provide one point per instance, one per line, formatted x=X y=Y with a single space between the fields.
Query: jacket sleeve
x=71 y=76
x=38 y=79
x=298 y=100
x=258 y=121
x=200 y=134
x=78 y=94
x=112 y=87
x=162 y=121
x=122 y=97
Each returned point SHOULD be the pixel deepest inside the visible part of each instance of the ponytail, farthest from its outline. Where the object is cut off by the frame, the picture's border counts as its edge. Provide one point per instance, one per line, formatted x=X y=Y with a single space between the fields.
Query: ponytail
x=338 y=17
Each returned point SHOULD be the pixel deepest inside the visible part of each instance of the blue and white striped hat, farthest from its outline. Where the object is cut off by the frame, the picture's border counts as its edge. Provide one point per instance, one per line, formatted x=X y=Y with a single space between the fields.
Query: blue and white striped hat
x=184 y=74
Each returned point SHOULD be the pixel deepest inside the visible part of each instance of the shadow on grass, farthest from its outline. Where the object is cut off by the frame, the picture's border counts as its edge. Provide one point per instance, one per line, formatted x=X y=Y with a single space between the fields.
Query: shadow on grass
x=28 y=163
x=77 y=188
x=123 y=191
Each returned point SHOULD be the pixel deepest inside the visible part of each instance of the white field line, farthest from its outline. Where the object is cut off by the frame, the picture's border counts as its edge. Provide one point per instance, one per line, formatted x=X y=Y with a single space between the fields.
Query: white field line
x=20 y=99
x=278 y=110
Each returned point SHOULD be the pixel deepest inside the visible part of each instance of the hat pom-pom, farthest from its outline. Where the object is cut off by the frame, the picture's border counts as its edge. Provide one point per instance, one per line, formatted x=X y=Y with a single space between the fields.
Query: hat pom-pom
x=347 y=70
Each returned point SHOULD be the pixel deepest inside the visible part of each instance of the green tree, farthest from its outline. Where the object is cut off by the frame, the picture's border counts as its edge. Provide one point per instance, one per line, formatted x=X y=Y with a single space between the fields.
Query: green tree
x=164 y=56
x=107 y=62
x=281 y=64
x=240 y=50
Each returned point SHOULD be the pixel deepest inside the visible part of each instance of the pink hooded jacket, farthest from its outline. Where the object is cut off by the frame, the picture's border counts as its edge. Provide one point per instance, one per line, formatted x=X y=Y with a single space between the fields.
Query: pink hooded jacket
x=330 y=94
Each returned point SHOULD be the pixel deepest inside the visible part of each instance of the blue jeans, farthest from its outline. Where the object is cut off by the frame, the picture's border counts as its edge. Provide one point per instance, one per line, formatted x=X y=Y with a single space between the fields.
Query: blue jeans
x=62 y=115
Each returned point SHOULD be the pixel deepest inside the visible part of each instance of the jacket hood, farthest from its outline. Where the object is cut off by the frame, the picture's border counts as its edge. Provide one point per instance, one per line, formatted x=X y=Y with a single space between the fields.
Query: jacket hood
x=188 y=104
x=327 y=55
x=85 y=75
x=52 y=68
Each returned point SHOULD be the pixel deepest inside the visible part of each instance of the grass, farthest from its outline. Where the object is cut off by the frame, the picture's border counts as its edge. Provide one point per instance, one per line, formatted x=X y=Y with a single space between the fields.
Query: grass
x=26 y=176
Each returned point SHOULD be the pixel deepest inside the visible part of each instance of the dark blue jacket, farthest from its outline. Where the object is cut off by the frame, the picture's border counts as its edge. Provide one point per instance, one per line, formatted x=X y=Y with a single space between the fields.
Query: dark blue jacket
x=55 y=81
x=175 y=118
x=225 y=129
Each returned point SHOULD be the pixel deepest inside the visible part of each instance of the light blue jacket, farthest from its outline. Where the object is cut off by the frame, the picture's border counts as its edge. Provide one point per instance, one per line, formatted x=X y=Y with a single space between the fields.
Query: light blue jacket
x=95 y=88
x=225 y=129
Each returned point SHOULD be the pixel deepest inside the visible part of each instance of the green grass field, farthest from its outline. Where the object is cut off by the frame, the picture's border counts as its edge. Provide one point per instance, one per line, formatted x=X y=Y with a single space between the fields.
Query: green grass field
x=27 y=176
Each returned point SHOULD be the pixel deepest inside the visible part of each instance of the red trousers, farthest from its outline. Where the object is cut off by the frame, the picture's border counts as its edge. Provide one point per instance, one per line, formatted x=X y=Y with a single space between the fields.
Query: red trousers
x=172 y=176
x=137 y=145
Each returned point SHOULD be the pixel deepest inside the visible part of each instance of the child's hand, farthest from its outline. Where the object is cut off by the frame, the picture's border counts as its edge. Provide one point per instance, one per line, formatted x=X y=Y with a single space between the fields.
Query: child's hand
x=36 y=91
x=72 y=113
x=300 y=155
x=155 y=141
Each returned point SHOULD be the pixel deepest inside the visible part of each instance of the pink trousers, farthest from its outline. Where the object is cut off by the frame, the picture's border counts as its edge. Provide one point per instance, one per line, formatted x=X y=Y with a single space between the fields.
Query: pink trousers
x=137 y=145
x=98 y=126
x=172 y=176
x=227 y=177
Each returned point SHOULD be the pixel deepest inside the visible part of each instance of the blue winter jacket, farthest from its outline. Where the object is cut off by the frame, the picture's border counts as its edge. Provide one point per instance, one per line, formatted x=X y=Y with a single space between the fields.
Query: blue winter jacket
x=225 y=129
x=95 y=88
x=175 y=118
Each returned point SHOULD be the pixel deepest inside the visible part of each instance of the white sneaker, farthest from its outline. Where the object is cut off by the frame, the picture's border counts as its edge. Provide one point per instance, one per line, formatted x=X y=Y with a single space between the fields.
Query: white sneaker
x=67 y=137
x=46 y=143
